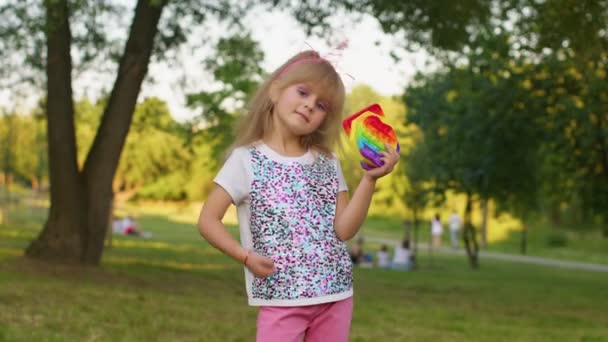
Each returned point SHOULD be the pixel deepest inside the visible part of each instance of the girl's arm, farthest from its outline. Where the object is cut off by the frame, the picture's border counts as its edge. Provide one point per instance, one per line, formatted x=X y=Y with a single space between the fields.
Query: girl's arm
x=213 y=230
x=350 y=215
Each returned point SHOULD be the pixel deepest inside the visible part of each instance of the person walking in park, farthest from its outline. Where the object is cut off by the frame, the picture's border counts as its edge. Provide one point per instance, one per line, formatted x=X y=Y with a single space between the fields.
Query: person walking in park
x=454 y=222
x=436 y=231
x=292 y=204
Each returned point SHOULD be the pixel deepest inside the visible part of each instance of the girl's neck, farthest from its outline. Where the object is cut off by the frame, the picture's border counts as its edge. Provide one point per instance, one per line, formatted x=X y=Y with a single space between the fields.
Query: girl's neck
x=288 y=146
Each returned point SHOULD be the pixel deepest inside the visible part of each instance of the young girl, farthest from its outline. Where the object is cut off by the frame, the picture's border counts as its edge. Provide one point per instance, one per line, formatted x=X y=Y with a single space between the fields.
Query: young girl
x=293 y=210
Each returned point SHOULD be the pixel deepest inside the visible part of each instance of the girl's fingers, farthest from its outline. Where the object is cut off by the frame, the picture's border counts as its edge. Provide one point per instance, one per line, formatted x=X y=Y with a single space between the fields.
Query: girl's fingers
x=389 y=161
x=386 y=168
x=390 y=152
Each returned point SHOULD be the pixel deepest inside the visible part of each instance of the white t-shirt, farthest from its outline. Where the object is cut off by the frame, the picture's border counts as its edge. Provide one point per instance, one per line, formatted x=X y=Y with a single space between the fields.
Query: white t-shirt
x=402 y=256
x=384 y=259
x=436 y=227
x=454 y=222
x=286 y=209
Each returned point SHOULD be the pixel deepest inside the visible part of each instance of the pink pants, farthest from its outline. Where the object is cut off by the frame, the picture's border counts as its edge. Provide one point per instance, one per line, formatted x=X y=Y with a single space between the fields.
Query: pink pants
x=321 y=322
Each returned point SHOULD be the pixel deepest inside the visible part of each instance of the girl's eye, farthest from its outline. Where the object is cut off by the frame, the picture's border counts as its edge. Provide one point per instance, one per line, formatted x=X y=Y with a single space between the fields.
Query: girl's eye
x=302 y=92
x=322 y=106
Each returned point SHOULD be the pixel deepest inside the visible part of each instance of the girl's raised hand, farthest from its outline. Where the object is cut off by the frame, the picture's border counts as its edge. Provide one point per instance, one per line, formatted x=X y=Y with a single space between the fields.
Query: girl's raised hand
x=390 y=159
x=260 y=266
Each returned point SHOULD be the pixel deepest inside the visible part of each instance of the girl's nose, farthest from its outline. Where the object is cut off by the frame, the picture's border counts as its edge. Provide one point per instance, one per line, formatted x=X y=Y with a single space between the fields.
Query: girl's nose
x=310 y=102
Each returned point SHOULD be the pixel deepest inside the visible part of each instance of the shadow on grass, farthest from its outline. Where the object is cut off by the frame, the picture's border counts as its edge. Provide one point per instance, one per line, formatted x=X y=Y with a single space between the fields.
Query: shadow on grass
x=175 y=257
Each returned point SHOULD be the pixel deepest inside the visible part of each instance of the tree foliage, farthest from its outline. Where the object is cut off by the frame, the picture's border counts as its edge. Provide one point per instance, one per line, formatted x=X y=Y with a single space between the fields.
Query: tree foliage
x=236 y=67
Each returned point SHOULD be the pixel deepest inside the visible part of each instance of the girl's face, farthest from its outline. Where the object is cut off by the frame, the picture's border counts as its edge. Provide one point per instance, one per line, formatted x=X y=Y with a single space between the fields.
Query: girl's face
x=299 y=109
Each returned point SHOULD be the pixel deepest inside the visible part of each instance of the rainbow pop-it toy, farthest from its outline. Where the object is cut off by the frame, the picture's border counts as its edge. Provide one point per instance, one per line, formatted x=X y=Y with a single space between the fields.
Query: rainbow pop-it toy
x=370 y=133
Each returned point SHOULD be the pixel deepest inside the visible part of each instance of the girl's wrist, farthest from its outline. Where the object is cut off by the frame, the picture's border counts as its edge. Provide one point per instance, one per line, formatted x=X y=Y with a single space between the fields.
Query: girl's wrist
x=370 y=179
x=246 y=258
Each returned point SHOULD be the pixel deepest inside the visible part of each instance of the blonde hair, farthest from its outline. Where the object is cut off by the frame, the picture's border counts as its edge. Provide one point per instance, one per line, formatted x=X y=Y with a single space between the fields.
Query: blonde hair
x=305 y=67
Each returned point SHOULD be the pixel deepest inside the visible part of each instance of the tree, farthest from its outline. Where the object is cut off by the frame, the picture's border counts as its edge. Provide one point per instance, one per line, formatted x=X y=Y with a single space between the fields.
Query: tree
x=46 y=34
x=575 y=158
x=480 y=128
x=445 y=25
x=22 y=146
x=8 y=127
x=236 y=66
x=421 y=191
x=154 y=160
x=80 y=197
x=556 y=40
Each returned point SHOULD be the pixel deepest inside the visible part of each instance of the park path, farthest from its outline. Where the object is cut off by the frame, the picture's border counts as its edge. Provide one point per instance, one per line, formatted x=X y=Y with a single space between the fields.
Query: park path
x=506 y=257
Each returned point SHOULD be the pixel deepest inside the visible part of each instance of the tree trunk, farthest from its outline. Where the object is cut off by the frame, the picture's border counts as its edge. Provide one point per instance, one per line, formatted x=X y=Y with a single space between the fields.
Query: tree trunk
x=414 y=244
x=4 y=200
x=430 y=244
x=35 y=184
x=110 y=224
x=484 y=223
x=102 y=160
x=524 y=239
x=61 y=238
x=469 y=235
x=556 y=214
x=80 y=201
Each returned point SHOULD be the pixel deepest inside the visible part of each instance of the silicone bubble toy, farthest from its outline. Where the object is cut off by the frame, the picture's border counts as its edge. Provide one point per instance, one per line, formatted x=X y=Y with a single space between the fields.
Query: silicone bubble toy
x=370 y=133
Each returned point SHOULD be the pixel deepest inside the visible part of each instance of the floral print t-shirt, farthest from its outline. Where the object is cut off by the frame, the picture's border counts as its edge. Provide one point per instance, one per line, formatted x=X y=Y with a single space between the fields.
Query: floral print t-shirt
x=286 y=208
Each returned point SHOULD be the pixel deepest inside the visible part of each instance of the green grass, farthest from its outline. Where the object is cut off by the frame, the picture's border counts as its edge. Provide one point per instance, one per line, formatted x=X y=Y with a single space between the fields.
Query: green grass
x=585 y=245
x=175 y=287
x=580 y=244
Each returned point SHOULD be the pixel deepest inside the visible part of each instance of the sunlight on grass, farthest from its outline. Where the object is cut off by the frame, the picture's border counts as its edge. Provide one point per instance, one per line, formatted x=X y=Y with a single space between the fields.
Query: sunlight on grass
x=164 y=246
x=12 y=233
x=178 y=212
x=184 y=266
x=11 y=251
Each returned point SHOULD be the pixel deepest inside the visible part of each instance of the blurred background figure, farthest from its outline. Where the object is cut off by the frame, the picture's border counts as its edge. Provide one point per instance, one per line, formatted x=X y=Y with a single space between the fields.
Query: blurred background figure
x=128 y=226
x=402 y=257
x=436 y=231
x=356 y=252
x=454 y=223
x=384 y=258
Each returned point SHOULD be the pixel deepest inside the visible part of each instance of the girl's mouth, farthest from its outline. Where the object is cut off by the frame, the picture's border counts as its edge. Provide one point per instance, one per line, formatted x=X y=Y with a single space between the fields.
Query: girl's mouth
x=303 y=116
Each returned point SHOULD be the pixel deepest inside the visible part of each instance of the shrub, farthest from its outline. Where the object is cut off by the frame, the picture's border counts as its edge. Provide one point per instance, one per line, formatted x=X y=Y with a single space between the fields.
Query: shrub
x=557 y=239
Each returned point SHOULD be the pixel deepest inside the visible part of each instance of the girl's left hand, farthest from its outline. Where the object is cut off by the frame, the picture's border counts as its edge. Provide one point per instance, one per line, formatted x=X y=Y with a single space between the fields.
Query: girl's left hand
x=390 y=159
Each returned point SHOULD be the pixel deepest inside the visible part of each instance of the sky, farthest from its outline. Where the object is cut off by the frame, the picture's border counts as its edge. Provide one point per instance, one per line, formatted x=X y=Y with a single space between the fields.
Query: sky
x=366 y=60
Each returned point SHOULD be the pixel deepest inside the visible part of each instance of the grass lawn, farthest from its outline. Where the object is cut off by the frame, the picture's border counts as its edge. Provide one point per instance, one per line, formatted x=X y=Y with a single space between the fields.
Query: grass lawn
x=175 y=287
x=584 y=245
x=559 y=243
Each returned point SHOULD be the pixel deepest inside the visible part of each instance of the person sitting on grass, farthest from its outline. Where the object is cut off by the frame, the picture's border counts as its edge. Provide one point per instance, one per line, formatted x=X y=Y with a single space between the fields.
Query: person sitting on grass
x=401 y=259
x=128 y=226
x=384 y=258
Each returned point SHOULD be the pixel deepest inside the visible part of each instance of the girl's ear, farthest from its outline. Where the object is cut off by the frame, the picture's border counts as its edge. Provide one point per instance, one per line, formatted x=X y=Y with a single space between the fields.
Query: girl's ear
x=273 y=92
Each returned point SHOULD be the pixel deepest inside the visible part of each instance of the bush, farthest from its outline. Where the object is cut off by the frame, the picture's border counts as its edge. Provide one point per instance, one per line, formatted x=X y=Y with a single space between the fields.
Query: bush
x=557 y=239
